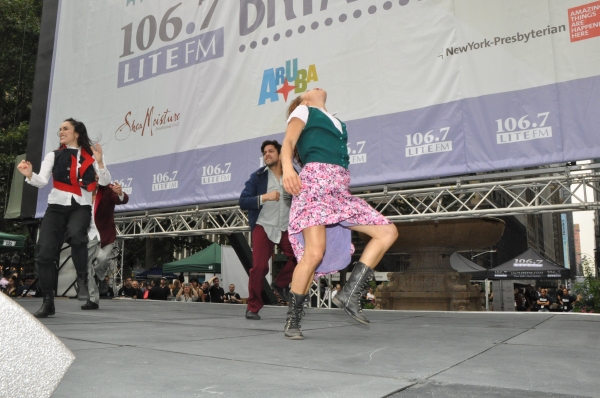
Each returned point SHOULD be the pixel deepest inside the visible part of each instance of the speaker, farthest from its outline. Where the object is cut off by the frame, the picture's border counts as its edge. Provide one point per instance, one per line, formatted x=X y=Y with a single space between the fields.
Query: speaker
x=33 y=360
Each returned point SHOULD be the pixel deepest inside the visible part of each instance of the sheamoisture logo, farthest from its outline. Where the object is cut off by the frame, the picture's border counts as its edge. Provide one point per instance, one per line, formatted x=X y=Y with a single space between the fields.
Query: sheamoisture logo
x=283 y=79
x=149 y=123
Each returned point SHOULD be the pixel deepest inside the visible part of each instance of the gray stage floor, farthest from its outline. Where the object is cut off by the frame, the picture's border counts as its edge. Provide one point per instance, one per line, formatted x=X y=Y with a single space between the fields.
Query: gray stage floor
x=169 y=349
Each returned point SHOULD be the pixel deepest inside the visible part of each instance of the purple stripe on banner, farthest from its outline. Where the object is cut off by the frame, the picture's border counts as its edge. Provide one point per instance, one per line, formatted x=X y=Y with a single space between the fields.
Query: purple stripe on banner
x=550 y=124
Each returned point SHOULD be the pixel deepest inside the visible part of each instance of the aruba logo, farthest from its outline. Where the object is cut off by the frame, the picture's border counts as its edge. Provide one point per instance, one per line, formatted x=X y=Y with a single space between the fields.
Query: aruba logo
x=273 y=78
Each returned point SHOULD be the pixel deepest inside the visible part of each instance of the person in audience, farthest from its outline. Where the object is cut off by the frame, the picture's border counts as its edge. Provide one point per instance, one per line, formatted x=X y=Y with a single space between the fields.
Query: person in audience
x=176 y=288
x=127 y=290
x=205 y=292
x=136 y=286
x=567 y=300
x=370 y=295
x=164 y=286
x=187 y=294
x=231 y=296
x=157 y=292
x=105 y=289
x=530 y=298
x=27 y=289
x=338 y=288
x=544 y=301
x=3 y=281
x=519 y=300
x=12 y=287
x=217 y=294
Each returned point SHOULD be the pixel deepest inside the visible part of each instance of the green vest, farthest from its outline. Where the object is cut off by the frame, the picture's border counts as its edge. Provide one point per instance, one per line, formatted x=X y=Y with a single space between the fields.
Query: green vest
x=320 y=141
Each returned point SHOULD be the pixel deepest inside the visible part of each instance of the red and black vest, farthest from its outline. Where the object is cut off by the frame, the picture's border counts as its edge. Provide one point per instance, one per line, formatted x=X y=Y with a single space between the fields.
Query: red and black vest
x=64 y=171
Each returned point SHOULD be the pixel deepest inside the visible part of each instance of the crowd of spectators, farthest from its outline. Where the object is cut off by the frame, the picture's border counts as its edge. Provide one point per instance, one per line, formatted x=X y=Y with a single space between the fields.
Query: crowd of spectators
x=543 y=300
x=526 y=299
x=13 y=287
x=156 y=289
x=159 y=289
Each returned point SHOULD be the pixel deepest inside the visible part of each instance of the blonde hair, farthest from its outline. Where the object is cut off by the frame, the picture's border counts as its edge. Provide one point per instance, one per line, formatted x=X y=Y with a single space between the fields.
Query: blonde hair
x=293 y=105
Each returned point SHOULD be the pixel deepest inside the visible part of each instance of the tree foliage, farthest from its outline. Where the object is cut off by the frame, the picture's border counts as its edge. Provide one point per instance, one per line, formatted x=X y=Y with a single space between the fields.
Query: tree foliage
x=19 y=34
x=588 y=292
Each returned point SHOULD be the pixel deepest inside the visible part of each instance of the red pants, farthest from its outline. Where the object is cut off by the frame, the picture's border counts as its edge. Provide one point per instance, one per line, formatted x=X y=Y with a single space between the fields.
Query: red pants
x=262 y=251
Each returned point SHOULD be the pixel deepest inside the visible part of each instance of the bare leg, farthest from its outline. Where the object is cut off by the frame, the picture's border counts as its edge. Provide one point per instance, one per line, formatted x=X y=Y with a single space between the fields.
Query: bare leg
x=314 y=249
x=382 y=238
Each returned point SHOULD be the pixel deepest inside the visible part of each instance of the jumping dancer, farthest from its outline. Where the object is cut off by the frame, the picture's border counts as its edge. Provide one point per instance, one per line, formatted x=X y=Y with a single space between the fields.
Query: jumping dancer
x=323 y=211
x=73 y=166
x=102 y=235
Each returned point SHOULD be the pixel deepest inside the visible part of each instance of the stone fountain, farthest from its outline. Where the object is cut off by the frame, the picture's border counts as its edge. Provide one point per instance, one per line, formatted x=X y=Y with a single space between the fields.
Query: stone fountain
x=430 y=283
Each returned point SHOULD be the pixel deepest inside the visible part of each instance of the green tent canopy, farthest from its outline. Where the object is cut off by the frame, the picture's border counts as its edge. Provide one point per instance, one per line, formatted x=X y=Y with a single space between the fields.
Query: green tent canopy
x=207 y=260
x=10 y=243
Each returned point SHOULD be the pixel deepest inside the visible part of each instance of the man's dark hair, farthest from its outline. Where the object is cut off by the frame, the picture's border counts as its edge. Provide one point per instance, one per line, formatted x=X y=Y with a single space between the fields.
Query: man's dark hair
x=276 y=144
x=194 y=279
x=156 y=281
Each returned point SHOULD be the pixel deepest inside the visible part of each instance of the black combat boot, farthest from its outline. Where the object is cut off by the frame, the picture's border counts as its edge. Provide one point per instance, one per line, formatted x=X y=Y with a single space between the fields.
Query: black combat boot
x=83 y=294
x=90 y=305
x=294 y=316
x=47 y=305
x=349 y=297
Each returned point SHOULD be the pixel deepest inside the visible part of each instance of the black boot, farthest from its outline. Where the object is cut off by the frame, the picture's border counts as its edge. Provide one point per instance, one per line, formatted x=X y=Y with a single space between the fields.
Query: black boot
x=89 y=305
x=294 y=316
x=47 y=305
x=349 y=297
x=83 y=294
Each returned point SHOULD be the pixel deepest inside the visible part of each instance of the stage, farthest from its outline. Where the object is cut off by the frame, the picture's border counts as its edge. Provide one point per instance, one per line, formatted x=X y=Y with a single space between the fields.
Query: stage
x=171 y=349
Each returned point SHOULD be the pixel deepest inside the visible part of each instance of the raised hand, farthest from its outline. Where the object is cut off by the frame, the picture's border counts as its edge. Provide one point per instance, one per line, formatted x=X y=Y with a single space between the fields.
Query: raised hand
x=97 y=152
x=25 y=168
x=117 y=189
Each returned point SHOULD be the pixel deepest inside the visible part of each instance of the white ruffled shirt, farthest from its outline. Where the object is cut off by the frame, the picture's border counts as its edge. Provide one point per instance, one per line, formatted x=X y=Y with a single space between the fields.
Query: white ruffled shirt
x=58 y=197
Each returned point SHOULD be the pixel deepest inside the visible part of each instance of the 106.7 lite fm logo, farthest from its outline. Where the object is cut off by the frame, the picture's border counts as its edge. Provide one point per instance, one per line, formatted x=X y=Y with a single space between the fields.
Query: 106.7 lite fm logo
x=170 y=57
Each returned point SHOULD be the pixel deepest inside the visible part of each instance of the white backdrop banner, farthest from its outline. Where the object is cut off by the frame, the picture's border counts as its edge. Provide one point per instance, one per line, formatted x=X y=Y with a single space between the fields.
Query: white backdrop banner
x=182 y=93
x=233 y=271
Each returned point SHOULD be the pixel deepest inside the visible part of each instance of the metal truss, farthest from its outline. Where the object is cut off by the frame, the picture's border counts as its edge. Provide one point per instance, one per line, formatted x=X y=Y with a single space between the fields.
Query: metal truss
x=539 y=190
x=546 y=190
x=315 y=291
x=182 y=222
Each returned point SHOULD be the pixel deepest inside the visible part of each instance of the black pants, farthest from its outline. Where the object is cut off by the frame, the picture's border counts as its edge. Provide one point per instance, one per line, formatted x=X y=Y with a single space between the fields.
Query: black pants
x=62 y=223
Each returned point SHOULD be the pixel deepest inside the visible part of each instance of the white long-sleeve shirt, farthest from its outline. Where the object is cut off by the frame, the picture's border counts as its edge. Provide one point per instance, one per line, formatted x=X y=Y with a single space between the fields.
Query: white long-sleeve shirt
x=59 y=197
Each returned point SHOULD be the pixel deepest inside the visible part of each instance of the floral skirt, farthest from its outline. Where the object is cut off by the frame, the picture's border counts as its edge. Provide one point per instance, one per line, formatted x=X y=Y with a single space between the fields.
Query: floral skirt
x=325 y=199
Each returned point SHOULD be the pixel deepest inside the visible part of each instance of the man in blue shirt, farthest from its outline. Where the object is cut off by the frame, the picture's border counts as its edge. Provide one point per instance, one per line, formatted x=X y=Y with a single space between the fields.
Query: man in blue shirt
x=268 y=206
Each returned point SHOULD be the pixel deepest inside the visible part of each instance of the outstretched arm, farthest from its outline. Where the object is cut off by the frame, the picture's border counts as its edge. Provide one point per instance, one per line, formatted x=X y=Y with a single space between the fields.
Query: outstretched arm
x=37 y=180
